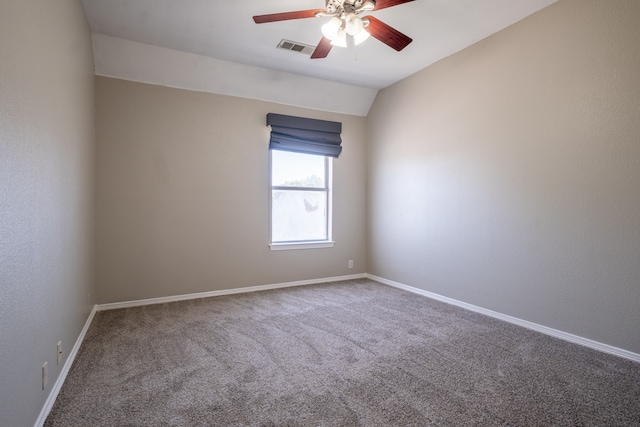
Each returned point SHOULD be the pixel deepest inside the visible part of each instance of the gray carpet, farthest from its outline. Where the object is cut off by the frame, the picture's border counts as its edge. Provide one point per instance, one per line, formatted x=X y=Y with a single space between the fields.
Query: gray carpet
x=353 y=353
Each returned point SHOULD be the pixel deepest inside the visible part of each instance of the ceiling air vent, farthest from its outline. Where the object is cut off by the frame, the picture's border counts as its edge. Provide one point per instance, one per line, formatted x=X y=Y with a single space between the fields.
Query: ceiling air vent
x=296 y=47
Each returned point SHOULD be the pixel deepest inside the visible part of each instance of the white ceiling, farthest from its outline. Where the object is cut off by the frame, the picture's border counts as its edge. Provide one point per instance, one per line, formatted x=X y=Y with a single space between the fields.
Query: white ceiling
x=225 y=32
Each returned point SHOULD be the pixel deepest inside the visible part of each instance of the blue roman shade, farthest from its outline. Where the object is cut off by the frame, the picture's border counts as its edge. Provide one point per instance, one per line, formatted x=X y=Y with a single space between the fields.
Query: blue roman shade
x=302 y=135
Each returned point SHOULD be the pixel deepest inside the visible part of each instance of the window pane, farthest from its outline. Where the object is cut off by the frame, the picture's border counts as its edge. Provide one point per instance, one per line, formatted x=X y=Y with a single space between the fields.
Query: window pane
x=298 y=215
x=297 y=170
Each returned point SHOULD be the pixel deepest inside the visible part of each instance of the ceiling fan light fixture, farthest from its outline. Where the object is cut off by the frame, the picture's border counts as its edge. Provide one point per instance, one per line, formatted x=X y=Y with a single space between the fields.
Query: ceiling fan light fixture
x=331 y=28
x=346 y=28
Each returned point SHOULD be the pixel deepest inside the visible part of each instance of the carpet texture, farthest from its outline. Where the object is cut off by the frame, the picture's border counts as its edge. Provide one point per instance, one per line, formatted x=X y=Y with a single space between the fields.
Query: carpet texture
x=353 y=353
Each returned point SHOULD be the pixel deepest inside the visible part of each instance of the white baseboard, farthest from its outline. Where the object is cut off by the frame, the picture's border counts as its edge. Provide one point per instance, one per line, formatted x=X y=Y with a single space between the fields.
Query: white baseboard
x=520 y=322
x=51 y=399
x=44 y=413
x=530 y=325
x=162 y=300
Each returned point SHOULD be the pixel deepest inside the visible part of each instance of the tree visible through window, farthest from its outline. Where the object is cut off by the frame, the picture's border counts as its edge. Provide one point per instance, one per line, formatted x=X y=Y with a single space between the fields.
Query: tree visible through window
x=300 y=198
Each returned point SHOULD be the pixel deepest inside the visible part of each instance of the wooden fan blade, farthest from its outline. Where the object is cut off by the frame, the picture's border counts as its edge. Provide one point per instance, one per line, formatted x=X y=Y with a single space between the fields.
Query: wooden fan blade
x=285 y=16
x=383 y=4
x=323 y=48
x=386 y=34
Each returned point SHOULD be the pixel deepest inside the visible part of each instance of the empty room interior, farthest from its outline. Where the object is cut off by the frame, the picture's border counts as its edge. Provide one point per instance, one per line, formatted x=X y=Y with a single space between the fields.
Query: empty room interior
x=468 y=254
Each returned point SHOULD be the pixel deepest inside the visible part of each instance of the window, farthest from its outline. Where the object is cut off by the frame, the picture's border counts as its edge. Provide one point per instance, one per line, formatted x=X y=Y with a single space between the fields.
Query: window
x=302 y=150
x=300 y=200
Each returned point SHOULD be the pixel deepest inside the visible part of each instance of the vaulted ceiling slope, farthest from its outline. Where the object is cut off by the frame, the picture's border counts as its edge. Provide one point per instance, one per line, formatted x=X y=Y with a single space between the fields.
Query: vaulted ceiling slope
x=214 y=46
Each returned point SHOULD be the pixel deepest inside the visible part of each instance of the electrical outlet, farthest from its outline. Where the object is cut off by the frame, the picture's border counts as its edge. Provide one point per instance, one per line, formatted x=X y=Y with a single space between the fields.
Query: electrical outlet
x=44 y=375
x=59 y=353
x=350 y=263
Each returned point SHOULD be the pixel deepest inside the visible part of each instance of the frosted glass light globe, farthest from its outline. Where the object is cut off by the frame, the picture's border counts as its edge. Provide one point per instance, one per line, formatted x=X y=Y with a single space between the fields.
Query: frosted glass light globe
x=353 y=24
x=340 y=39
x=330 y=29
x=361 y=36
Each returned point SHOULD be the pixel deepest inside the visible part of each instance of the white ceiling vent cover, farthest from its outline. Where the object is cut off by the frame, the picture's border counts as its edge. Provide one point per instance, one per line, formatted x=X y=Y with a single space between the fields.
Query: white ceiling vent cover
x=296 y=47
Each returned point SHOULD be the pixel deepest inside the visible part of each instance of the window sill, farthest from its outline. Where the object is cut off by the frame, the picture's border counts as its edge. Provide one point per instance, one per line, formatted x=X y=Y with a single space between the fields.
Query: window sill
x=301 y=245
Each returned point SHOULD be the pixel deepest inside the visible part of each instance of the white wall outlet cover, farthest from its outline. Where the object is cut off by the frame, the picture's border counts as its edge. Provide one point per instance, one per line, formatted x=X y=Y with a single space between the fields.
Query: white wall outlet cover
x=44 y=375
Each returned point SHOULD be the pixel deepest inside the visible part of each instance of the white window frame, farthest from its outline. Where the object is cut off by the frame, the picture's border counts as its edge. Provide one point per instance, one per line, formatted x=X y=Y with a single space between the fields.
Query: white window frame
x=305 y=244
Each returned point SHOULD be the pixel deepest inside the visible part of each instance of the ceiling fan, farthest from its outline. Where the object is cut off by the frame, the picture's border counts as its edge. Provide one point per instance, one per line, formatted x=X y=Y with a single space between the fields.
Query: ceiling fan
x=346 y=27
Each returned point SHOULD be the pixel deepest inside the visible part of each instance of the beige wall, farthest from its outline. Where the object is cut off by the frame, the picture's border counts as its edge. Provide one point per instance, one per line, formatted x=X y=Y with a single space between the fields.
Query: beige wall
x=505 y=176
x=46 y=195
x=508 y=175
x=183 y=194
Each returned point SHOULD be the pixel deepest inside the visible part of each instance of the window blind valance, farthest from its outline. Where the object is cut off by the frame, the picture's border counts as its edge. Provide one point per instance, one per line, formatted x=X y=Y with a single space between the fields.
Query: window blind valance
x=302 y=135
